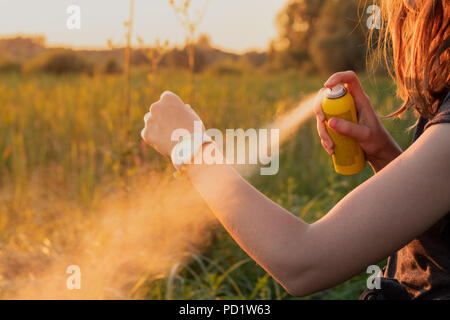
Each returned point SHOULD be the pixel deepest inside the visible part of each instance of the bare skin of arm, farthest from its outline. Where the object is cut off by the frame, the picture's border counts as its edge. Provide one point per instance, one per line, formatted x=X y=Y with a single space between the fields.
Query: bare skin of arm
x=370 y=223
x=380 y=216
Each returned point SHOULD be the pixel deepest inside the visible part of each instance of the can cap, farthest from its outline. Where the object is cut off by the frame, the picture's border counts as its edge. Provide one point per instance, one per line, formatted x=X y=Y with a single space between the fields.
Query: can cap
x=336 y=92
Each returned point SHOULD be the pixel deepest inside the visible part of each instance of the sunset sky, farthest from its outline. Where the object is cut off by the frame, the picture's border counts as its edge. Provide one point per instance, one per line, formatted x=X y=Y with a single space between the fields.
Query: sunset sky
x=236 y=25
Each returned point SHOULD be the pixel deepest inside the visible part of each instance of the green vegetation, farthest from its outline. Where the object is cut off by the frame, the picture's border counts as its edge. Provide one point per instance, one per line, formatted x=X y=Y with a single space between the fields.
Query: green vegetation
x=112 y=67
x=64 y=141
x=310 y=29
x=8 y=65
x=59 y=62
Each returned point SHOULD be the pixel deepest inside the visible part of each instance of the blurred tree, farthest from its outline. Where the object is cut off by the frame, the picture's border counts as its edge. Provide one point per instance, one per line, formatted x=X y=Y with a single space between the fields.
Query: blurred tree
x=9 y=64
x=297 y=24
x=189 y=20
x=23 y=48
x=204 y=42
x=112 y=67
x=319 y=35
x=178 y=58
x=339 y=41
x=59 y=61
x=155 y=53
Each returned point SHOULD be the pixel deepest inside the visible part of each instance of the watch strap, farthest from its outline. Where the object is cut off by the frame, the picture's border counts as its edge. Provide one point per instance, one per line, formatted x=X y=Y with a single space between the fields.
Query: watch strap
x=181 y=155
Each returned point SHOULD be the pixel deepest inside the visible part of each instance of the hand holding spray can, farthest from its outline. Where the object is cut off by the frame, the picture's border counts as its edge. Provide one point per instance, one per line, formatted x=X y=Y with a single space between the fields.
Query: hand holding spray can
x=348 y=157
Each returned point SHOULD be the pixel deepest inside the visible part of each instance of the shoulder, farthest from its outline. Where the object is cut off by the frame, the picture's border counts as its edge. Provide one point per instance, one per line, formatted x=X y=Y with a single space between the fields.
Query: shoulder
x=424 y=168
x=436 y=139
x=432 y=150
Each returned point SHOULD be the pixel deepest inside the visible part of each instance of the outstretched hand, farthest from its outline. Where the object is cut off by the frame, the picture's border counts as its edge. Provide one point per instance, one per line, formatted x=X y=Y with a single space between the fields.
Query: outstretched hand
x=167 y=115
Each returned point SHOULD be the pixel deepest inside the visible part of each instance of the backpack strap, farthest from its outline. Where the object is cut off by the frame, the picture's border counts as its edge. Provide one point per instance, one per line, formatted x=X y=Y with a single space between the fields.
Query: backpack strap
x=391 y=289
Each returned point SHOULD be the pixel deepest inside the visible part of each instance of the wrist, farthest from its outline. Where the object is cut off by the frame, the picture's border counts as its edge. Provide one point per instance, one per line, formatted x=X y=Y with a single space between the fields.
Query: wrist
x=209 y=156
x=186 y=150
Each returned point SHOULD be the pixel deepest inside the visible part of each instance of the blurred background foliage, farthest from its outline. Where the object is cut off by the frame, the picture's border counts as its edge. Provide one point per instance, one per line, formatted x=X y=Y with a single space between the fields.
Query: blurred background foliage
x=65 y=143
x=308 y=32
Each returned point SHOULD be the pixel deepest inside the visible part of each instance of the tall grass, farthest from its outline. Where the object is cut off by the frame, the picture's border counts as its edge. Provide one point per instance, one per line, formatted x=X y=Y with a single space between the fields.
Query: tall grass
x=190 y=17
x=61 y=152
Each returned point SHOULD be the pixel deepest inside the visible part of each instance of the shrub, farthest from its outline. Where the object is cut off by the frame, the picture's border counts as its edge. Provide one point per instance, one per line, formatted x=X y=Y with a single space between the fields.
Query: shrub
x=339 y=42
x=9 y=65
x=229 y=67
x=224 y=69
x=112 y=67
x=59 y=62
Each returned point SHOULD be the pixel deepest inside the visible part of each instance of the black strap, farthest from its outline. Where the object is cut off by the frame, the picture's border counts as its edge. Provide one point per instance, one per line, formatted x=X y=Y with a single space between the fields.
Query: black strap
x=391 y=289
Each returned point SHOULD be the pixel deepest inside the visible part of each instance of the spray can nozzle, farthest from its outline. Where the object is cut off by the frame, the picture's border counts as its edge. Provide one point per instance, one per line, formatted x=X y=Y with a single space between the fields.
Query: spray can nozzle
x=336 y=92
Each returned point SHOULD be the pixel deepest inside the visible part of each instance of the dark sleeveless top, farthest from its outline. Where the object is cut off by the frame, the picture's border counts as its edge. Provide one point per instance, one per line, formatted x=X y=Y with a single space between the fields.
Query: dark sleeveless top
x=422 y=267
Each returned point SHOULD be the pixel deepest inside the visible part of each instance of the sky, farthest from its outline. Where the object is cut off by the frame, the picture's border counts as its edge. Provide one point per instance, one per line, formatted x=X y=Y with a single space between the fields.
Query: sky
x=235 y=25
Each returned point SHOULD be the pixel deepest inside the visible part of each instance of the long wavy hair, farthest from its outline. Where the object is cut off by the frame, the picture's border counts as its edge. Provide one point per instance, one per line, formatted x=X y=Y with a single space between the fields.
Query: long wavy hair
x=415 y=42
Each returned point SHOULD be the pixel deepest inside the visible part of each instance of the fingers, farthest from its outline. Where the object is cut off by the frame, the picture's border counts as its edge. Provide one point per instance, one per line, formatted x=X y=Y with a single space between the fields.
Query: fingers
x=327 y=143
x=348 y=77
x=169 y=96
x=166 y=98
x=327 y=149
x=145 y=131
x=354 y=86
x=143 y=134
x=318 y=105
x=154 y=107
x=169 y=108
x=356 y=131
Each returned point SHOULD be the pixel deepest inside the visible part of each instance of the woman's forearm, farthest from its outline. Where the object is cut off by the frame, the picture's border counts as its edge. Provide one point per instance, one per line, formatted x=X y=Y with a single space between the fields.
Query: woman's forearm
x=266 y=231
x=374 y=220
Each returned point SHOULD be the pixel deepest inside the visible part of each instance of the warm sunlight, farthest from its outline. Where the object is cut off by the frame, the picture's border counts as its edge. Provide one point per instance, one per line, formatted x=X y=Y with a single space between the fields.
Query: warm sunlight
x=235 y=25
x=224 y=156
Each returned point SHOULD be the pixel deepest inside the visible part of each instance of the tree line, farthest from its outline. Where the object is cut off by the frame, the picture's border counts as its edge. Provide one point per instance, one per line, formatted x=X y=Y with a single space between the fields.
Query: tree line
x=313 y=36
x=320 y=36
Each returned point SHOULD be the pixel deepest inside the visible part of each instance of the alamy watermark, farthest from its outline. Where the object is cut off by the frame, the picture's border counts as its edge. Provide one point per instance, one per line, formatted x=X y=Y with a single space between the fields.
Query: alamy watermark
x=374 y=281
x=262 y=147
x=374 y=20
x=73 y=282
x=74 y=19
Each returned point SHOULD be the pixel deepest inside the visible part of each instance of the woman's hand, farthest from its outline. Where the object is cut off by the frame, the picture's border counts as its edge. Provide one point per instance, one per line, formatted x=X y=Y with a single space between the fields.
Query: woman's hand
x=379 y=147
x=165 y=116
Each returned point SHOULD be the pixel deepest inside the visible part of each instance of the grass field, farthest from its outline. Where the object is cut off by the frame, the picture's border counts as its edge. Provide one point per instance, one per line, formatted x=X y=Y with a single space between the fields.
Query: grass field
x=67 y=144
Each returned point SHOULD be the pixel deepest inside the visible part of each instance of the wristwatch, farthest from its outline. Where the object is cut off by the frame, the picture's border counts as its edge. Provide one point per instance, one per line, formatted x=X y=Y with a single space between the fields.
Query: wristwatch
x=186 y=149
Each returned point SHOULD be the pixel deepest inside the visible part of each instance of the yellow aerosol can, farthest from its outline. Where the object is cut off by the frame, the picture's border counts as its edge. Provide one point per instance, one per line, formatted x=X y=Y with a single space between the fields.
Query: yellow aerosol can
x=348 y=157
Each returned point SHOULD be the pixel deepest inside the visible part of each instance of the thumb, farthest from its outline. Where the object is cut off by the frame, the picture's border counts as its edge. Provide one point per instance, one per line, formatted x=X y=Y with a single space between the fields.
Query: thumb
x=356 y=131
